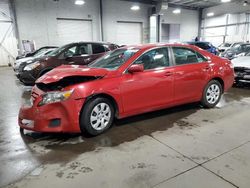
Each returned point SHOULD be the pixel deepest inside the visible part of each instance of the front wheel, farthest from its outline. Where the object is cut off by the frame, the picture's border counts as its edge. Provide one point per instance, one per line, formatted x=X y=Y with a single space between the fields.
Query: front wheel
x=211 y=94
x=97 y=116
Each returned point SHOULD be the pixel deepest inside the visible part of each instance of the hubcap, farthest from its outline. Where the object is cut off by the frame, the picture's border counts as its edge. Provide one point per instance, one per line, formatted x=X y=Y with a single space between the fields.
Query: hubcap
x=213 y=94
x=100 y=116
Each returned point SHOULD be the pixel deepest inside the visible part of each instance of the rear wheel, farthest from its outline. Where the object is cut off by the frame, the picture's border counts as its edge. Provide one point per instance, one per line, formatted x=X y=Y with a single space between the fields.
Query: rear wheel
x=97 y=116
x=212 y=94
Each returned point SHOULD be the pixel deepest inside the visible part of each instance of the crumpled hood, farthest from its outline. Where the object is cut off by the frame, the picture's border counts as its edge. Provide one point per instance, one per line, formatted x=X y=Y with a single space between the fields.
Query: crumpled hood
x=69 y=71
x=242 y=61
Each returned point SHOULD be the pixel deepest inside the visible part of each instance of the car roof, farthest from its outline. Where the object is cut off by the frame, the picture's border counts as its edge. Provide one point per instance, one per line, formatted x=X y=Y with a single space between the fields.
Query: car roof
x=148 y=46
x=196 y=42
x=89 y=42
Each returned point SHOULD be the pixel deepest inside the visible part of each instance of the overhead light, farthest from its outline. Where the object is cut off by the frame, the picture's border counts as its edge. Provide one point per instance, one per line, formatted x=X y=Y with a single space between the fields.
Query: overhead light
x=245 y=3
x=210 y=14
x=225 y=1
x=177 y=11
x=79 y=2
x=135 y=7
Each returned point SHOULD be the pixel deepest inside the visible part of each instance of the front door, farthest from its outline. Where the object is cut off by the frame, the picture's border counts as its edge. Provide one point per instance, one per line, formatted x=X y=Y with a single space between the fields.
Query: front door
x=151 y=88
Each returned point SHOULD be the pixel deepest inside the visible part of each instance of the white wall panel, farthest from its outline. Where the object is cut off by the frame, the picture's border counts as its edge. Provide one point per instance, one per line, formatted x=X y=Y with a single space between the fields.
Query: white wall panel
x=128 y=33
x=114 y=11
x=73 y=31
x=8 y=43
x=215 y=21
x=37 y=19
x=188 y=20
x=217 y=31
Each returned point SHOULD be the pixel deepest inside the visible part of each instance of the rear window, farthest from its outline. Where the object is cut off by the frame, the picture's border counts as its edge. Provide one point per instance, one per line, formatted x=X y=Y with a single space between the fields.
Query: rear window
x=99 y=48
x=187 y=56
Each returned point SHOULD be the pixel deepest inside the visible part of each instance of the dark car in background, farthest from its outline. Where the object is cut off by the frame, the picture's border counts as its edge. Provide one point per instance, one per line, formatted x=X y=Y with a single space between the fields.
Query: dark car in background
x=205 y=46
x=44 y=48
x=81 y=53
x=238 y=50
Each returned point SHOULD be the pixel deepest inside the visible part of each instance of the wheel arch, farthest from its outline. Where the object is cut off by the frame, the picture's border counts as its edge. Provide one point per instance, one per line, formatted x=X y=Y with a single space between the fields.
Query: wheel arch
x=43 y=71
x=104 y=95
x=221 y=81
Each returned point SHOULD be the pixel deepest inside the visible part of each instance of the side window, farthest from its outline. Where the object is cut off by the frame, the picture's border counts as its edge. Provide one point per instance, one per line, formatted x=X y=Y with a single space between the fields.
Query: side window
x=70 y=52
x=83 y=49
x=185 y=56
x=154 y=59
x=97 y=48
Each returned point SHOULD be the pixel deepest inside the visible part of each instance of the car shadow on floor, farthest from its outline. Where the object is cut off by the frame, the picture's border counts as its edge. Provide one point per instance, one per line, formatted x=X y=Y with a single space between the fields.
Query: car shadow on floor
x=52 y=147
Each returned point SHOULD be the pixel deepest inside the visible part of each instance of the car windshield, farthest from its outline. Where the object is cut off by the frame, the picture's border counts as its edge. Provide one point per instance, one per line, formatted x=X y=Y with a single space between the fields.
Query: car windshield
x=113 y=60
x=58 y=50
x=43 y=52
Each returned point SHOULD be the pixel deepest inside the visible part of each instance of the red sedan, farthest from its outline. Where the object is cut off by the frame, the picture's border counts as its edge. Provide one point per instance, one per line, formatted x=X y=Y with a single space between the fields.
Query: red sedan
x=125 y=82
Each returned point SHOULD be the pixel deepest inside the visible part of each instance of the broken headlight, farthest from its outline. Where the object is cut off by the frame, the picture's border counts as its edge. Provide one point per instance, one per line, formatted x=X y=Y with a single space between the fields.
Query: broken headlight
x=52 y=97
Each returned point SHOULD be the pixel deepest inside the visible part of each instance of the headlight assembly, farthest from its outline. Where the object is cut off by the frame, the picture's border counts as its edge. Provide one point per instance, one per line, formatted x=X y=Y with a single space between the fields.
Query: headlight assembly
x=52 y=97
x=31 y=66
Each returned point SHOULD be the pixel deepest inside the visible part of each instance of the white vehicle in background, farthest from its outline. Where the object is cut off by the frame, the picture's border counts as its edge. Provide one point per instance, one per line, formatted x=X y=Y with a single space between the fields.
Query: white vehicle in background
x=242 y=69
x=28 y=60
x=227 y=45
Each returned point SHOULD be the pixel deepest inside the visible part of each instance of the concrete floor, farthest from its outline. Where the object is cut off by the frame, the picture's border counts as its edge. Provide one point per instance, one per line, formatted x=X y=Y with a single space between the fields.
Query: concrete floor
x=187 y=146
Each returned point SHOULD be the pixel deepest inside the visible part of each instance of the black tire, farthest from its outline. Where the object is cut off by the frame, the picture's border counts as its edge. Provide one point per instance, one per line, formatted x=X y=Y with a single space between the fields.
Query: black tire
x=88 y=110
x=21 y=130
x=211 y=103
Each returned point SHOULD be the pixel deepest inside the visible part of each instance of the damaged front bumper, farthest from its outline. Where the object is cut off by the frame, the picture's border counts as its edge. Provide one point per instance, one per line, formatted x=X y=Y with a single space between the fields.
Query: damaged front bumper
x=54 y=117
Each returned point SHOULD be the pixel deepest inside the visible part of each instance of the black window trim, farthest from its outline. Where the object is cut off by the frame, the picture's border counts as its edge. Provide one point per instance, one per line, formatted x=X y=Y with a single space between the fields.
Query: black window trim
x=173 y=56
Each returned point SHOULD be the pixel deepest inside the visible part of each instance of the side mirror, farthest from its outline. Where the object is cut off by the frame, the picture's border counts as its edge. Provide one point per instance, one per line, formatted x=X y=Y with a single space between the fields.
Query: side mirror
x=136 y=68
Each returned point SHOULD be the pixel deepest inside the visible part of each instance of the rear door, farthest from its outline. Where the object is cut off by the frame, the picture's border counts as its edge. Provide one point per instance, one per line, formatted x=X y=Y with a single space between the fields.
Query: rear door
x=192 y=71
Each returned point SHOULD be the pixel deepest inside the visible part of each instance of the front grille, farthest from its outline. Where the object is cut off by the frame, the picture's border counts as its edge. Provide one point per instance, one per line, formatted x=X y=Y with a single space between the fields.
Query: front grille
x=241 y=71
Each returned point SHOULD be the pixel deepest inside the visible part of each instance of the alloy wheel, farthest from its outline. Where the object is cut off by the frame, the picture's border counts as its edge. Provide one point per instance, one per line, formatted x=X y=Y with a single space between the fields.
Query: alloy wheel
x=213 y=94
x=100 y=116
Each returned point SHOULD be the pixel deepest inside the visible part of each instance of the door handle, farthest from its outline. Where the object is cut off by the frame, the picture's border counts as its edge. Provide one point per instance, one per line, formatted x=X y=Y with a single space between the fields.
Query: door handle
x=207 y=68
x=168 y=73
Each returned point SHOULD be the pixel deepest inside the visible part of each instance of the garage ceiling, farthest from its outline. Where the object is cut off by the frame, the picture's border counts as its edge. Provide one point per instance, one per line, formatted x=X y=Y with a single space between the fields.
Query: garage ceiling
x=198 y=3
x=190 y=4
